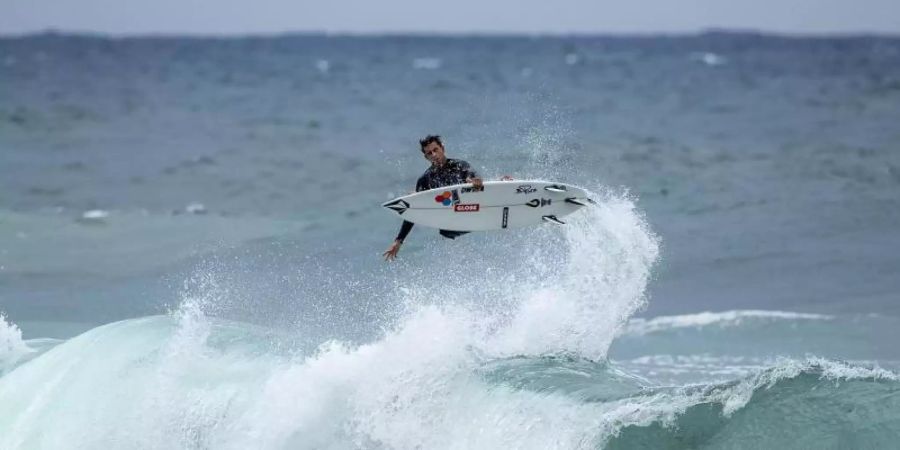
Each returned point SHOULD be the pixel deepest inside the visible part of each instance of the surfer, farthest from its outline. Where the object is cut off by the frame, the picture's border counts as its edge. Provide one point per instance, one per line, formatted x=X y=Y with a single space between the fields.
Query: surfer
x=444 y=171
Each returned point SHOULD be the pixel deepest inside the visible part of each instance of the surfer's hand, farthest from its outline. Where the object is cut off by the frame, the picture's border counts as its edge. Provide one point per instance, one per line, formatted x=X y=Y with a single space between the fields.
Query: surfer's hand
x=476 y=183
x=391 y=252
x=506 y=178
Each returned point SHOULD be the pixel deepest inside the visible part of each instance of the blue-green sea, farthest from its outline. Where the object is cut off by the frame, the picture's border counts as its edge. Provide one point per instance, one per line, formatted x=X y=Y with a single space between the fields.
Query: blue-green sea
x=191 y=240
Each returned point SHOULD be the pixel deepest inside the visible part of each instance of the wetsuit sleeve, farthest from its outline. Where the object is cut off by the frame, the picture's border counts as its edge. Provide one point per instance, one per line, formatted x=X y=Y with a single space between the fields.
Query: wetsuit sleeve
x=421 y=185
x=404 y=230
x=466 y=170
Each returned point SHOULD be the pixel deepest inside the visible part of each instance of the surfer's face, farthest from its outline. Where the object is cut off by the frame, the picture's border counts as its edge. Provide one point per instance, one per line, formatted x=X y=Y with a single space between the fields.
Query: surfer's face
x=434 y=153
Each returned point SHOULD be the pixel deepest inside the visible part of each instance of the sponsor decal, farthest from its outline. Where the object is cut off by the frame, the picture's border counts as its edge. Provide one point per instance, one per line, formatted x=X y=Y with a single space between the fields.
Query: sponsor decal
x=467 y=190
x=444 y=198
x=467 y=207
x=505 y=216
x=400 y=206
x=525 y=189
x=535 y=203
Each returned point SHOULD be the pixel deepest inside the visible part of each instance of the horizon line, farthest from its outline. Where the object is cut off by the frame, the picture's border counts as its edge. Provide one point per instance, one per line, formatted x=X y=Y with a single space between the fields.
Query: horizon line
x=455 y=34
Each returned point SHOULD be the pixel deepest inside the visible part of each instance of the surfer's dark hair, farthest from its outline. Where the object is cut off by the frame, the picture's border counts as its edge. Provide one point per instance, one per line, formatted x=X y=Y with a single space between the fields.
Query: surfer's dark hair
x=429 y=139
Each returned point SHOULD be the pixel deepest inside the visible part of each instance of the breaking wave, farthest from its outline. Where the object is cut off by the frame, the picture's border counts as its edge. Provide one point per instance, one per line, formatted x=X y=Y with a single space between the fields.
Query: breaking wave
x=526 y=367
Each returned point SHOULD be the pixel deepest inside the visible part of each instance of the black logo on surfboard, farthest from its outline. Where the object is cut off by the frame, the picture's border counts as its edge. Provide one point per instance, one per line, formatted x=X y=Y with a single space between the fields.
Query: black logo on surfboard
x=538 y=203
x=399 y=206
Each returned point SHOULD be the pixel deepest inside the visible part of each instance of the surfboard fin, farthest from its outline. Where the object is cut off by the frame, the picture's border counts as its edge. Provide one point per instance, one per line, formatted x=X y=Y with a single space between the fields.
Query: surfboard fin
x=555 y=188
x=553 y=219
x=575 y=201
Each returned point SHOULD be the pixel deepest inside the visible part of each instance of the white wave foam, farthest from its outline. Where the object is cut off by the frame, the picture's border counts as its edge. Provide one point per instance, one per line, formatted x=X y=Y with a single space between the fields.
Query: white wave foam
x=195 y=208
x=708 y=58
x=640 y=326
x=94 y=215
x=414 y=389
x=843 y=370
x=426 y=63
x=12 y=347
x=710 y=367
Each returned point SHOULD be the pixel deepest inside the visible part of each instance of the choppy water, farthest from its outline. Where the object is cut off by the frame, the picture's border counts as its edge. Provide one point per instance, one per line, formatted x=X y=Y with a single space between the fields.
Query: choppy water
x=173 y=276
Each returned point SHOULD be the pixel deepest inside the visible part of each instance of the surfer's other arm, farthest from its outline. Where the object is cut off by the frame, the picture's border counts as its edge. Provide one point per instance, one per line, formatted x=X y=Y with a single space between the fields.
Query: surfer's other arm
x=465 y=171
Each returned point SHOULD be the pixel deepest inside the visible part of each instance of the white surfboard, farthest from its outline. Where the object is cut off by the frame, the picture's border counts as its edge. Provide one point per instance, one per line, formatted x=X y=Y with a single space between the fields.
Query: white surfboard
x=500 y=205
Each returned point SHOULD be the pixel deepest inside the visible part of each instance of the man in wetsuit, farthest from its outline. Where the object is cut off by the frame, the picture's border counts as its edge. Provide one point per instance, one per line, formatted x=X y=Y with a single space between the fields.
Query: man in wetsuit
x=443 y=172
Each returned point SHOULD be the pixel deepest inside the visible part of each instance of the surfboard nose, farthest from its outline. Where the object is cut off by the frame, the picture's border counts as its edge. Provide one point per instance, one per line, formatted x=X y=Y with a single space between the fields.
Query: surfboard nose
x=399 y=206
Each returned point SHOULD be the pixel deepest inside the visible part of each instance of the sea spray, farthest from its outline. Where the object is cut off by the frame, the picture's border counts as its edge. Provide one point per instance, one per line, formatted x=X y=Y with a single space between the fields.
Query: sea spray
x=610 y=253
x=420 y=385
x=12 y=348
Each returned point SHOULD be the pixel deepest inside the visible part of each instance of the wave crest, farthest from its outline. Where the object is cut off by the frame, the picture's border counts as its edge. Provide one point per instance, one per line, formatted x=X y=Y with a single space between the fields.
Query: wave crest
x=812 y=403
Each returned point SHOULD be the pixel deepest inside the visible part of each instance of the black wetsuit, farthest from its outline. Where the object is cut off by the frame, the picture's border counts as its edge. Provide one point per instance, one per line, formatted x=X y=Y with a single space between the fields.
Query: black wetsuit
x=454 y=171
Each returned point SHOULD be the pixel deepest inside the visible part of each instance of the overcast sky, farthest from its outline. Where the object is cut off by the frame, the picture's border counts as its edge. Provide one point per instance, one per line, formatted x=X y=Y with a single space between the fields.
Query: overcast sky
x=450 y=16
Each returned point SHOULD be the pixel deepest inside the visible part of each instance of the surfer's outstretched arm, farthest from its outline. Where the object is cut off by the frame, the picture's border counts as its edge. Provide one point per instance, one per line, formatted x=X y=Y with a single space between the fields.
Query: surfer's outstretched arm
x=392 y=251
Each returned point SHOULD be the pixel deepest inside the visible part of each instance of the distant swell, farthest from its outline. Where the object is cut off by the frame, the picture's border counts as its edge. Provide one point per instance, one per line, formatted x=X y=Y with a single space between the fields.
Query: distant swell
x=638 y=326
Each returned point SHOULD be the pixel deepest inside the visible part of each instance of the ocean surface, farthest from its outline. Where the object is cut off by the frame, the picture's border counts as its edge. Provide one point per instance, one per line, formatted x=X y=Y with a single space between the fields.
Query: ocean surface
x=191 y=239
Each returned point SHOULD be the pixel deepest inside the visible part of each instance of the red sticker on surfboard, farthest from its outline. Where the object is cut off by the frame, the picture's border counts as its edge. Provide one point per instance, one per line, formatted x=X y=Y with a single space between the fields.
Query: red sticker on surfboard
x=471 y=207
